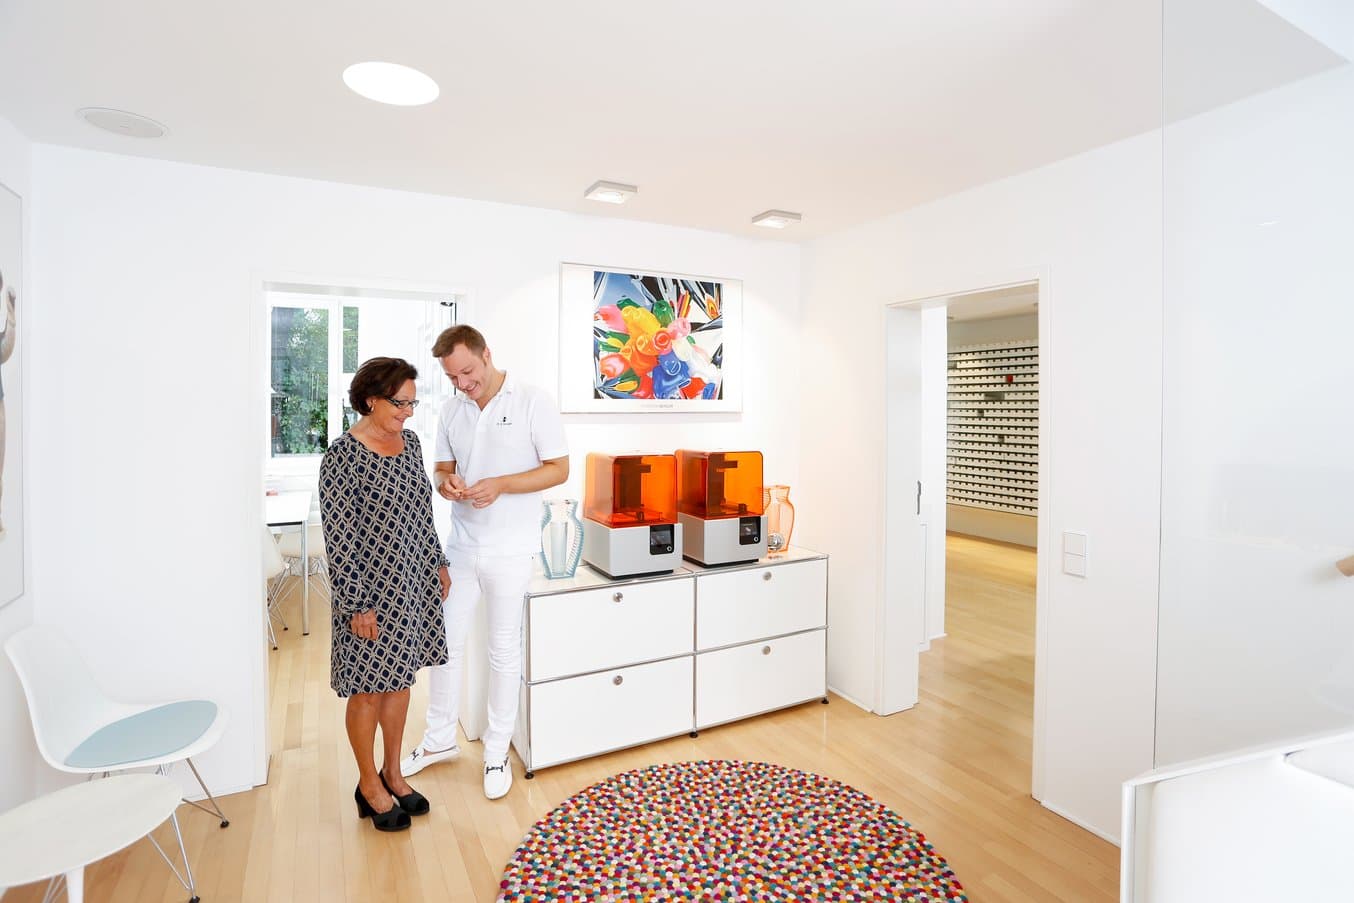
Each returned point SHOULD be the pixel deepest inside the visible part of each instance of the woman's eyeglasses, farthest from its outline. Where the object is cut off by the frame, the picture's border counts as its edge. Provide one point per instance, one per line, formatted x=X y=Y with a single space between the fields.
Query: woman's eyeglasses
x=403 y=404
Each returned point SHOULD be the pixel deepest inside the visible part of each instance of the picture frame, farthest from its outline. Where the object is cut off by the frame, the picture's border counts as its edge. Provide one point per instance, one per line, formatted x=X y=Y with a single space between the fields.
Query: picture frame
x=12 y=312
x=646 y=341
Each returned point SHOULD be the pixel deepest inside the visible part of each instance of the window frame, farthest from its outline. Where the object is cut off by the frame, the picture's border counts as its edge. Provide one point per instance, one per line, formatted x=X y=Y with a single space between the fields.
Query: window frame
x=450 y=306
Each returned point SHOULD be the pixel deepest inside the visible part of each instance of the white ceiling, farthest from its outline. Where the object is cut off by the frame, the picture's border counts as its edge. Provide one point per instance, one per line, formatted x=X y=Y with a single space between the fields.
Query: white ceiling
x=1011 y=301
x=716 y=109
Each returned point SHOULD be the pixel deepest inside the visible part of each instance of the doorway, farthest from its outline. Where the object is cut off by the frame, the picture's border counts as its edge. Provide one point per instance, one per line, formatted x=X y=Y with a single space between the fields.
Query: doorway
x=965 y=422
x=312 y=335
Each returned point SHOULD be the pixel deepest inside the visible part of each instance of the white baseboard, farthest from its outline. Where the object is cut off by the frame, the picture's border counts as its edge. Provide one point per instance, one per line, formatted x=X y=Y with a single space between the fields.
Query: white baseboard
x=925 y=645
x=1079 y=823
x=855 y=702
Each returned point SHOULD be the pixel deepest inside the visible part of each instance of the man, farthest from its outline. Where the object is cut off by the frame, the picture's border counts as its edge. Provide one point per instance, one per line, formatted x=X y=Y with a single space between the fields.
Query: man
x=499 y=444
x=7 y=336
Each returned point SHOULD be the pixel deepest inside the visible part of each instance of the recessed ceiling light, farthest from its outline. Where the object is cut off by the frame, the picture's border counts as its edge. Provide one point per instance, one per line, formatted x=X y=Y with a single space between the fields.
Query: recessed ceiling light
x=610 y=192
x=776 y=219
x=120 y=122
x=391 y=83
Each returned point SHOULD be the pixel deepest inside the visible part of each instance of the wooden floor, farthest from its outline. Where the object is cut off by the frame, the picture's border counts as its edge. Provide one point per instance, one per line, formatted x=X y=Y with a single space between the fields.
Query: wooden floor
x=957 y=766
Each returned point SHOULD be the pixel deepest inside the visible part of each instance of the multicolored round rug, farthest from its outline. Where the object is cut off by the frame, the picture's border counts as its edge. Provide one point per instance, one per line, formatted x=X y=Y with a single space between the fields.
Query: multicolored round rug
x=727 y=831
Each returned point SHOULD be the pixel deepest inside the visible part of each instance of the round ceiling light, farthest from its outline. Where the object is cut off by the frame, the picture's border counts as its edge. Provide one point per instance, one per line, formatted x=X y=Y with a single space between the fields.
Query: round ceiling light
x=391 y=83
x=120 y=122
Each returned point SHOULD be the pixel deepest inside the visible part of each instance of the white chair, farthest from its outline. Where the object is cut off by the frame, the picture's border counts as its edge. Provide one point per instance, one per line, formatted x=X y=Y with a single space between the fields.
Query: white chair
x=59 y=834
x=81 y=730
x=274 y=569
x=289 y=544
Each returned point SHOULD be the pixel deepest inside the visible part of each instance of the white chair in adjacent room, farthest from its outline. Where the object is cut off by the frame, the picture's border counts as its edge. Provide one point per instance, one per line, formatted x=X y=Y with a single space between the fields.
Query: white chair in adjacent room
x=81 y=730
x=274 y=569
x=289 y=543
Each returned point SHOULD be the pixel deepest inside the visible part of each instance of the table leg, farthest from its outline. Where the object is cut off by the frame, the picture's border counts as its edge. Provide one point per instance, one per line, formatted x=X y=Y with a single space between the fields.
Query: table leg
x=75 y=885
x=305 y=578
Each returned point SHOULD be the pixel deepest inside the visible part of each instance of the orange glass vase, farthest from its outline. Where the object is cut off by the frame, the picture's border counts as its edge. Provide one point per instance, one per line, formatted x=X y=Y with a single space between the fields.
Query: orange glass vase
x=780 y=519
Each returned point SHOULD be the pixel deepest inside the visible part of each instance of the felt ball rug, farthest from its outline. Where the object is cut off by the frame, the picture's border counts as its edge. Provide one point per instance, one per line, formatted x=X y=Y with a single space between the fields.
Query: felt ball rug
x=725 y=831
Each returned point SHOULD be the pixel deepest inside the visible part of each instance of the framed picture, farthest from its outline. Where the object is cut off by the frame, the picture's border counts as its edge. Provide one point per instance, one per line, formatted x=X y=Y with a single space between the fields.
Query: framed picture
x=641 y=341
x=11 y=399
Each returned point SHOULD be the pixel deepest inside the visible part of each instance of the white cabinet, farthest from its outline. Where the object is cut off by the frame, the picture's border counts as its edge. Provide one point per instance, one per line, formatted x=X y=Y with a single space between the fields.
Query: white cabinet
x=574 y=633
x=583 y=716
x=752 y=603
x=614 y=663
x=761 y=636
x=757 y=677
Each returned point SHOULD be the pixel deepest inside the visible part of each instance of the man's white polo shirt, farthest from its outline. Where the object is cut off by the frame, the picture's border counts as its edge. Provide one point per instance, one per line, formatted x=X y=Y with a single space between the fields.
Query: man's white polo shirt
x=518 y=429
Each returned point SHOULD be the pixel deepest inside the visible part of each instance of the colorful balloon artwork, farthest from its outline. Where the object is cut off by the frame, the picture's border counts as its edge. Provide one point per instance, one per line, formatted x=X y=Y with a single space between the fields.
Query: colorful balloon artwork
x=656 y=337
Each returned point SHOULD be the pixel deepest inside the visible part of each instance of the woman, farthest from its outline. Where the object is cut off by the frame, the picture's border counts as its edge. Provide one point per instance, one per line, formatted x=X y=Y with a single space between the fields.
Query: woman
x=388 y=576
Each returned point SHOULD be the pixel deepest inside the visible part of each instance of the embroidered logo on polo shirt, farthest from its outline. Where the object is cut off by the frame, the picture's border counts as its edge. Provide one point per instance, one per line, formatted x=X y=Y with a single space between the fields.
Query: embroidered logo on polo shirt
x=503 y=420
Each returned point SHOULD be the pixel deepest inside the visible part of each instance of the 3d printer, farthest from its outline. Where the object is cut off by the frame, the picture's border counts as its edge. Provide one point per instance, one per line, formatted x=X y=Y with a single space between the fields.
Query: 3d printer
x=630 y=511
x=719 y=506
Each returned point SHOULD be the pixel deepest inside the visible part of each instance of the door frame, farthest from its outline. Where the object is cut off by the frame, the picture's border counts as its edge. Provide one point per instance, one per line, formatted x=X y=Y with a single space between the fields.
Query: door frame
x=941 y=295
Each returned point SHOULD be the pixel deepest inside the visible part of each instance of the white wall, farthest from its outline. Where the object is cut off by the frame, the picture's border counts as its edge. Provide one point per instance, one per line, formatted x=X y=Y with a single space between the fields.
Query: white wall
x=1257 y=626
x=17 y=749
x=151 y=476
x=1089 y=228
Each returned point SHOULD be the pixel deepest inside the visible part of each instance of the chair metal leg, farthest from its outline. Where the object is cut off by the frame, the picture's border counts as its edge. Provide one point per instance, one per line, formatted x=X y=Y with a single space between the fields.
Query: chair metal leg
x=75 y=885
x=272 y=634
x=189 y=884
x=54 y=888
x=320 y=584
x=216 y=807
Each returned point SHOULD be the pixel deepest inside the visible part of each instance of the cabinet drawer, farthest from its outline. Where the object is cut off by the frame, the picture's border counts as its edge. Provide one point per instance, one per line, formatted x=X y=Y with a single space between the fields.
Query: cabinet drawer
x=575 y=633
x=583 y=716
x=749 y=604
x=745 y=680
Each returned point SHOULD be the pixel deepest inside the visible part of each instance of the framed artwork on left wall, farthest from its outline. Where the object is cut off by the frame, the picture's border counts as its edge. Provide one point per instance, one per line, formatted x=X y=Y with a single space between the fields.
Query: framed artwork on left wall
x=11 y=398
x=643 y=341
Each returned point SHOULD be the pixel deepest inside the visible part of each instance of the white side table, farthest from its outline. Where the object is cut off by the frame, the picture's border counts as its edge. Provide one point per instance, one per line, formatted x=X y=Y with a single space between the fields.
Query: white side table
x=59 y=834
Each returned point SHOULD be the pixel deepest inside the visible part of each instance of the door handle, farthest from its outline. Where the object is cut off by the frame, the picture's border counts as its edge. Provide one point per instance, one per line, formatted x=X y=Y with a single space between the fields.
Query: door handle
x=919 y=496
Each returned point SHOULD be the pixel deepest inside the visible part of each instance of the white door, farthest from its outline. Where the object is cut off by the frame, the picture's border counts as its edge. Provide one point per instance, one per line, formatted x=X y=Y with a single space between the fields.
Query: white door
x=904 y=547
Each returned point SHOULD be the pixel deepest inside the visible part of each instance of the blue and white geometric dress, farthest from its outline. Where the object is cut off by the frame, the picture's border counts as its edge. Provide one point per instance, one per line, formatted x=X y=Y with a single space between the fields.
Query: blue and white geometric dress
x=383 y=555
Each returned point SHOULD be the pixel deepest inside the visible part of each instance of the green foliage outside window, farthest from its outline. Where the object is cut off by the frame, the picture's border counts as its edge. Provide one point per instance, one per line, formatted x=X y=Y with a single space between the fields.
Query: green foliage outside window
x=350 y=340
x=300 y=380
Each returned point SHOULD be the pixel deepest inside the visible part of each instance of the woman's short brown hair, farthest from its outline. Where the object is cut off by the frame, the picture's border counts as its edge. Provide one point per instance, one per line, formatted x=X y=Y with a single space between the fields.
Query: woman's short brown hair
x=469 y=336
x=380 y=377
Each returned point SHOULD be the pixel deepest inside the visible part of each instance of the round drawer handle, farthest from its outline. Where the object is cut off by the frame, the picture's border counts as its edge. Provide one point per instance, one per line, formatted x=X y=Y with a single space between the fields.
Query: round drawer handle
x=766 y=650
x=618 y=680
x=616 y=597
x=766 y=576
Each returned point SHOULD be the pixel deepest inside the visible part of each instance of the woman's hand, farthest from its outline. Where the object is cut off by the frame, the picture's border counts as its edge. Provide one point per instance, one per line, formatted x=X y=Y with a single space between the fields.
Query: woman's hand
x=445 y=579
x=364 y=625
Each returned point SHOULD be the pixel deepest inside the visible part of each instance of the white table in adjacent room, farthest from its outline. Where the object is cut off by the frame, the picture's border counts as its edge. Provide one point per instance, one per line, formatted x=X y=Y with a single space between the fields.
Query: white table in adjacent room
x=62 y=832
x=292 y=509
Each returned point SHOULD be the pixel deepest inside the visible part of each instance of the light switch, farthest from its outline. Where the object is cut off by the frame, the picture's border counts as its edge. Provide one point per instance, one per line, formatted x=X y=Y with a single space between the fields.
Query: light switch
x=1074 y=564
x=1074 y=543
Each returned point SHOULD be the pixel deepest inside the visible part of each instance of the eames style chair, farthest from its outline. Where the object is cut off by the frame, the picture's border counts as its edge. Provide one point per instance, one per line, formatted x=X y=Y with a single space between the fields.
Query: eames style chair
x=274 y=569
x=316 y=563
x=81 y=730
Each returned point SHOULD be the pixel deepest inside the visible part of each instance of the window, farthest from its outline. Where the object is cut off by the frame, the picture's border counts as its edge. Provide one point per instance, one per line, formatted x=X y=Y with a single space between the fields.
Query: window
x=317 y=338
x=300 y=380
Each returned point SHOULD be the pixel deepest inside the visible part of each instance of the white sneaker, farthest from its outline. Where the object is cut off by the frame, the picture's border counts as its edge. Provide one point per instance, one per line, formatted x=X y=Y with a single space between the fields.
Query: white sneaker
x=420 y=759
x=497 y=779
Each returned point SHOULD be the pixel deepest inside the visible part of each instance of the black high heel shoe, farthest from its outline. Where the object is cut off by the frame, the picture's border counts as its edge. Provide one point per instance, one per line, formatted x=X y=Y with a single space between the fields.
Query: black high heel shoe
x=413 y=802
x=393 y=819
